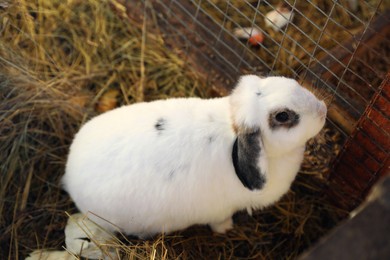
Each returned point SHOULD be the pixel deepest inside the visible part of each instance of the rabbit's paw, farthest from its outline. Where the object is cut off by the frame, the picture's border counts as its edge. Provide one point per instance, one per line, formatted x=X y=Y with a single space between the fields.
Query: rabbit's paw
x=222 y=227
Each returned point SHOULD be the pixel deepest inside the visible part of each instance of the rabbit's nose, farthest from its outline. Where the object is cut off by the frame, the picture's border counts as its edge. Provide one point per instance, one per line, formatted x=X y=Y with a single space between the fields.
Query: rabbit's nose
x=321 y=109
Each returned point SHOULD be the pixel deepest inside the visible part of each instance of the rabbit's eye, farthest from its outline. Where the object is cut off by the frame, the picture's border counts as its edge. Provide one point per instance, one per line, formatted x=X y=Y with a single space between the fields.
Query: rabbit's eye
x=282 y=117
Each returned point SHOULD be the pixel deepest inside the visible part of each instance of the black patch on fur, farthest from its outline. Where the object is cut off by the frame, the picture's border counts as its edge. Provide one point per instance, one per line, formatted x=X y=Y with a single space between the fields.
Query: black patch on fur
x=160 y=124
x=245 y=155
x=258 y=93
x=85 y=239
x=274 y=119
x=211 y=139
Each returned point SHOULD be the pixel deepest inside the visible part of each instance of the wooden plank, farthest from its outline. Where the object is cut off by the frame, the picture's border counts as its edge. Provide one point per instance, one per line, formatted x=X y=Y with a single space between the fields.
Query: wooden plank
x=365 y=157
x=385 y=169
x=383 y=105
x=376 y=116
x=376 y=134
x=361 y=155
x=370 y=146
x=342 y=194
x=356 y=174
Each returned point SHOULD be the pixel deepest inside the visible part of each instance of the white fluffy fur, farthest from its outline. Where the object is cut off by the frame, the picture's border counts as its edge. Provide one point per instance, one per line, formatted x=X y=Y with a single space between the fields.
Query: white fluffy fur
x=145 y=181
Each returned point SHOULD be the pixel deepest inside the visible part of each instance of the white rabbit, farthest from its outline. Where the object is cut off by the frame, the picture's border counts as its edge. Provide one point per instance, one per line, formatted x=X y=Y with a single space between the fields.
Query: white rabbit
x=166 y=165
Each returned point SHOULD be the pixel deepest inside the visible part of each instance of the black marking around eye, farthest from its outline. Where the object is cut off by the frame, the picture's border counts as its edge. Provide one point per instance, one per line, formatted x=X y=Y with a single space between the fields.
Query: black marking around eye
x=211 y=139
x=246 y=155
x=258 y=93
x=160 y=124
x=293 y=119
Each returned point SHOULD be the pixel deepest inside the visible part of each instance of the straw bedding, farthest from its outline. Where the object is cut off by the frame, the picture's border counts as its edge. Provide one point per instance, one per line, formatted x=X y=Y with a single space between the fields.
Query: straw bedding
x=63 y=62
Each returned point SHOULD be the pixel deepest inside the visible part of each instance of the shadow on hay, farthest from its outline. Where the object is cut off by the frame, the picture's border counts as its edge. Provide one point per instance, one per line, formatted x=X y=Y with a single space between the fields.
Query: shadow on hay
x=37 y=125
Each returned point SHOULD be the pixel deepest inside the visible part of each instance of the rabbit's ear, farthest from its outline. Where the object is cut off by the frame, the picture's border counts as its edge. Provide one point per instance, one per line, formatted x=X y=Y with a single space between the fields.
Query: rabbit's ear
x=249 y=160
x=245 y=105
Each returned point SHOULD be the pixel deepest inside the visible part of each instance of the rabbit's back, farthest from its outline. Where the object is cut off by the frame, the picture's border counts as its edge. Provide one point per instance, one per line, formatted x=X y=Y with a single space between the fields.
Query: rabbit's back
x=145 y=162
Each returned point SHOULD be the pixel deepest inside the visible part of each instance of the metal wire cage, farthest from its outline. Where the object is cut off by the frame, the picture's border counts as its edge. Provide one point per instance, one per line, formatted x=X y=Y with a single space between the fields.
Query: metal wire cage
x=338 y=48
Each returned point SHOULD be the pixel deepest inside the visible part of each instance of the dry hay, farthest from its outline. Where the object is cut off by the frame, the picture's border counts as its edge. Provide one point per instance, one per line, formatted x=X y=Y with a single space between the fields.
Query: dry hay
x=316 y=28
x=63 y=62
